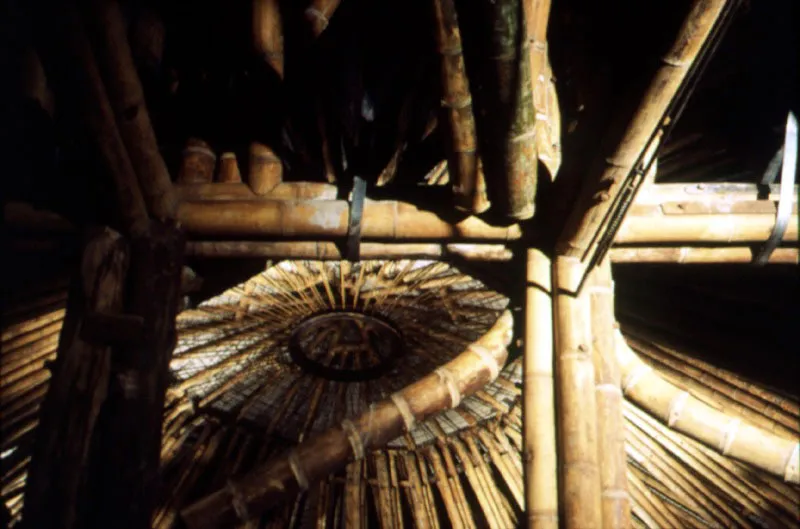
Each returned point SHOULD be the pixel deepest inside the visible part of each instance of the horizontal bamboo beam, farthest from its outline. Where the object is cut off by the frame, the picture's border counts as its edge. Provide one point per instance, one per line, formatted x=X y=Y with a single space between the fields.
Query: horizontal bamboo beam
x=686 y=414
x=329 y=251
x=589 y=218
x=389 y=220
x=239 y=191
x=329 y=451
x=698 y=255
x=725 y=228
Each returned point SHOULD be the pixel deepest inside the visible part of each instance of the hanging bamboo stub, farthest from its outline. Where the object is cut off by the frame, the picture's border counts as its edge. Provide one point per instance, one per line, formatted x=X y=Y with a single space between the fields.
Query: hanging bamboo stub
x=464 y=163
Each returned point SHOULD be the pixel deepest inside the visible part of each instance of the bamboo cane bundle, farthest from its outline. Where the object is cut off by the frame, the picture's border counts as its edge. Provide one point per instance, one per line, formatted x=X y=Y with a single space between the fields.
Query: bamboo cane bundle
x=127 y=100
x=541 y=498
x=329 y=219
x=383 y=422
x=686 y=414
x=578 y=443
x=611 y=440
x=464 y=163
x=587 y=219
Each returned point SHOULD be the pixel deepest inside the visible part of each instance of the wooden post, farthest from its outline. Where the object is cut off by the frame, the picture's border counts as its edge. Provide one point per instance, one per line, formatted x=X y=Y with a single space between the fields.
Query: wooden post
x=55 y=482
x=579 y=485
x=127 y=99
x=611 y=427
x=538 y=409
x=123 y=473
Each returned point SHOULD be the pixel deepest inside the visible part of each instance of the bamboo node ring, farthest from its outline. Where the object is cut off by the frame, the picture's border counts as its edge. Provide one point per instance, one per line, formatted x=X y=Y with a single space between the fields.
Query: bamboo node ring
x=404 y=409
x=729 y=435
x=488 y=359
x=355 y=439
x=299 y=476
x=792 y=474
x=676 y=408
x=237 y=501
x=196 y=149
x=635 y=375
x=449 y=381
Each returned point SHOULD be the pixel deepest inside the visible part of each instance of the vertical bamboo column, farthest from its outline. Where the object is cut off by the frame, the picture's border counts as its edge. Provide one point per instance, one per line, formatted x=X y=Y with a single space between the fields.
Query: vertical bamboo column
x=539 y=421
x=579 y=485
x=265 y=170
x=464 y=164
x=611 y=427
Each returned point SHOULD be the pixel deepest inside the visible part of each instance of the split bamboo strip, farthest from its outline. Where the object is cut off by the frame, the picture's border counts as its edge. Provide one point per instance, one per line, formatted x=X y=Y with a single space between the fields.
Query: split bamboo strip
x=686 y=414
x=329 y=219
x=68 y=50
x=696 y=255
x=587 y=220
x=702 y=229
x=611 y=430
x=464 y=164
x=580 y=492
x=652 y=504
x=539 y=427
x=127 y=99
x=384 y=421
x=33 y=324
x=329 y=251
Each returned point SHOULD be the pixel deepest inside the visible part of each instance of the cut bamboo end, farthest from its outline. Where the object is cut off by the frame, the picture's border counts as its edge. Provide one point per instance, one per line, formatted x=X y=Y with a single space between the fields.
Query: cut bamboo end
x=265 y=171
x=727 y=435
x=229 y=169
x=198 y=163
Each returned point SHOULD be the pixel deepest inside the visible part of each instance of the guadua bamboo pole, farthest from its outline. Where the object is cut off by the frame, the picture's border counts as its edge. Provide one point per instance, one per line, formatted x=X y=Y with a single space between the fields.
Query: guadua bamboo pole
x=464 y=164
x=319 y=456
x=68 y=60
x=611 y=427
x=319 y=13
x=127 y=99
x=387 y=220
x=238 y=191
x=713 y=228
x=538 y=409
x=580 y=492
x=587 y=218
x=697 y=255
x=684 y=413
x=197 y=163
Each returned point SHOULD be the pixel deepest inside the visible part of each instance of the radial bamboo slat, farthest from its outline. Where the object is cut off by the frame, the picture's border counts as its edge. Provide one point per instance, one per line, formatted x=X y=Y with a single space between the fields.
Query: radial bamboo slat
x=686 y=414
x=464 y=163
x=539 y=419
x=330 y=219
x=580 y=493
x=611 y=431
x=382 y=422
x=585 y=225
x=127 y=99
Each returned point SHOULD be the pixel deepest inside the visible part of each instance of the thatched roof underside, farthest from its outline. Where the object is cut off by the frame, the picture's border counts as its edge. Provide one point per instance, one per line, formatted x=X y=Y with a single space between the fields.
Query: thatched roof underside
x=237 y=400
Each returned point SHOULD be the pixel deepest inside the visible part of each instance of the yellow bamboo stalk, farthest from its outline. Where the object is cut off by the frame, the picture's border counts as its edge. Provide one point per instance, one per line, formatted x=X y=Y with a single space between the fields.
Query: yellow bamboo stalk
x=696 y=255
x=686 y=414
x=580 y=474
x=541 y=497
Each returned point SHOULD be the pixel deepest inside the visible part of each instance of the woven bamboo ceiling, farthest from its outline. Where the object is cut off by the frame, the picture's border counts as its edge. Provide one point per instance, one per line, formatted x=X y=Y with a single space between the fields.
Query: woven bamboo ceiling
x=452 y=263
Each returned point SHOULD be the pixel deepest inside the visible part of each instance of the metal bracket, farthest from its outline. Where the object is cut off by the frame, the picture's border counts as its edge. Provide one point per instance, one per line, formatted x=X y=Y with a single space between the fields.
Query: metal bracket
x=788 y=174
x=353 y=243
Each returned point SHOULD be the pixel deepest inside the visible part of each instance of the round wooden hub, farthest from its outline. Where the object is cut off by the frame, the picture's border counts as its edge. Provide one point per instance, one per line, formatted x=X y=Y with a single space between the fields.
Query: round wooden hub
x=345 y=346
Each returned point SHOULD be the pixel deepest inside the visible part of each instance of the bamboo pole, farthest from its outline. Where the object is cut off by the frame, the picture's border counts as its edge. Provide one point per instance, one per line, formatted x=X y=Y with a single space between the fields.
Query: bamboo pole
x=539 y=420
x=580 y=492
x=684 y=413
x=70 y=63
x=329 y=251
x=228 y=169
x=588 y=217
x=197 y=163
x=698 y=229
x=329 y=219
x=611 y=430
x=238 y=191
x=464 y=164
x=328 y=451
x=318 y=15
x=127 y=100
x=698 y=255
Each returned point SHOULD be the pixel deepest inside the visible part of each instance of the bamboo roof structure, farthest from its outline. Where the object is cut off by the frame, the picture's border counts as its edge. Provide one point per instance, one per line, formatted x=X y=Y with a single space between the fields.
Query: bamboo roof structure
x=502 y=263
